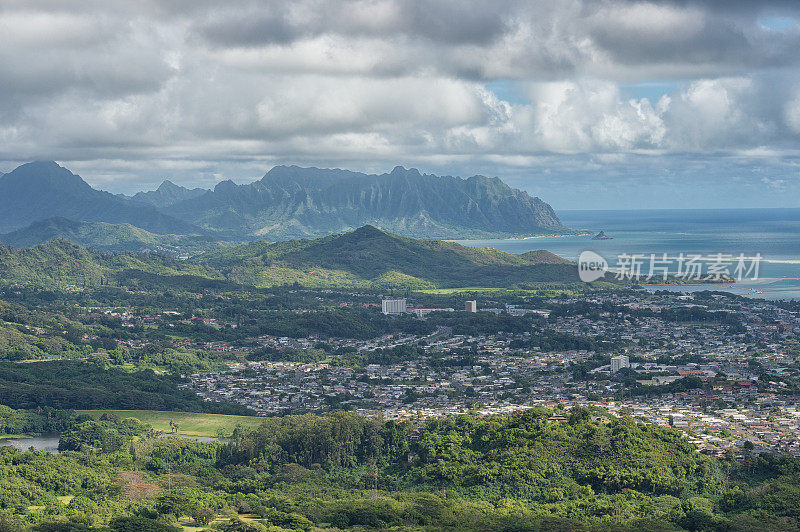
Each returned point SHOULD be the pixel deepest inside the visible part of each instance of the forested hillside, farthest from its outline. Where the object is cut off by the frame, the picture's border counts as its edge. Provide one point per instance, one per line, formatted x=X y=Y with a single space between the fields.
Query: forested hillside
x=365 y=258
x=74 y=384
x=371 y=256
x=104 y=236
x=341 y=471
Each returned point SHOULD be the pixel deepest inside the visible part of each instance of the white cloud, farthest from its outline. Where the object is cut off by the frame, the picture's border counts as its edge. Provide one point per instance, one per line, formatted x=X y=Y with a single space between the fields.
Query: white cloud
x=231 y=88
x=43 y=30
x=587 y=116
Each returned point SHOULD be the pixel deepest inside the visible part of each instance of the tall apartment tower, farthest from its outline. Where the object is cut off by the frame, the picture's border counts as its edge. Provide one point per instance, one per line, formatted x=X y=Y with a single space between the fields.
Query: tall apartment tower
x=619 y=362
x=393 y=306
x=471 y=306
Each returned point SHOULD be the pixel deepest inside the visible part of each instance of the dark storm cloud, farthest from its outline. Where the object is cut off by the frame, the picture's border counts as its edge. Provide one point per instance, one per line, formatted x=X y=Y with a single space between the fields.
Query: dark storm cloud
x=251 y=29
x=541 y=39
x=693 y=33
x=456 y=22
x=727 y=6
x=447 y=21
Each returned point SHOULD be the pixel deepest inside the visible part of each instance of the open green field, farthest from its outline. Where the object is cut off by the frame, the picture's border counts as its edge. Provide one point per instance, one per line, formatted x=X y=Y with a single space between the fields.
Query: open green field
x=449 y=291
x=189 y=423
x=536 y=289
x=14 y=436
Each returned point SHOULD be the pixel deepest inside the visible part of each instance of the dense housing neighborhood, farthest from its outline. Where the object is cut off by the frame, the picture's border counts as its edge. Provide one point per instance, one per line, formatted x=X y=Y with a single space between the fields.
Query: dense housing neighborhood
x=721 y=388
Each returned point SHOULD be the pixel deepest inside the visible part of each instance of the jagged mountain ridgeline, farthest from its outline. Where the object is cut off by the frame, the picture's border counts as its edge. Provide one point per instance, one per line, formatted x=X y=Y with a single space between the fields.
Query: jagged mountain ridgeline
x=291 y=202
x=288 y=202
x=168 y=194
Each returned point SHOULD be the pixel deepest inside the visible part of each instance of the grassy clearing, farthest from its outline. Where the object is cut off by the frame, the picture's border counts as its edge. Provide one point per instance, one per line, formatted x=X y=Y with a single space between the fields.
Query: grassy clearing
x=14 y=436
x=189 y=423
x=187 y=523
x=449 y=291
x=536 y=289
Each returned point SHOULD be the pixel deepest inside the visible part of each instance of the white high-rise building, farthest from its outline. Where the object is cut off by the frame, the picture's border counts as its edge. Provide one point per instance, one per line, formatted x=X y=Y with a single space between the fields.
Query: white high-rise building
x=471 y=306
x=393 y=306
x=619 y=362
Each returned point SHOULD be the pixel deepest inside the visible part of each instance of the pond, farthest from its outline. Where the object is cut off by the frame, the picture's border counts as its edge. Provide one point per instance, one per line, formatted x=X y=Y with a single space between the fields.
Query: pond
x=42 y=442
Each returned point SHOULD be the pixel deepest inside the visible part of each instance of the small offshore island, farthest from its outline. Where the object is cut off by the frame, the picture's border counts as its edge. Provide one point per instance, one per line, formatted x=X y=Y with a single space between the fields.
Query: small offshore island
x=602 y=236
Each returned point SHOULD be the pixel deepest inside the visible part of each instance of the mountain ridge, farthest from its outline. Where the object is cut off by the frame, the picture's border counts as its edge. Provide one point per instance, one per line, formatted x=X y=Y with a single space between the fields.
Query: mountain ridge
x=167 y=194
x=287 y=202
x=370 y=257
x=295 y=202
x=366 y=258
x=43 y=189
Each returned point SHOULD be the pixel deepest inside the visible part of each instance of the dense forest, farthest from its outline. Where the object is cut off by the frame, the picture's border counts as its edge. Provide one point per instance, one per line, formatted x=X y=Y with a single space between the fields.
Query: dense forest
x=74 y=384
x=514 y=472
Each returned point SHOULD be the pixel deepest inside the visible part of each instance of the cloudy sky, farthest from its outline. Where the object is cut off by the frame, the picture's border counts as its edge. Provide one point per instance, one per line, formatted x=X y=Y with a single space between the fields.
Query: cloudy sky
x=586 y=103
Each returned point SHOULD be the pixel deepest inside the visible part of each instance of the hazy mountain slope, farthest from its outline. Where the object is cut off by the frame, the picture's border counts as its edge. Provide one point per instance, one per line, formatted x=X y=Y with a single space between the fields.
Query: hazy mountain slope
x=106 y=237
x=295 y=202
x=167 y=194
x=41 y=190
x=60 y=263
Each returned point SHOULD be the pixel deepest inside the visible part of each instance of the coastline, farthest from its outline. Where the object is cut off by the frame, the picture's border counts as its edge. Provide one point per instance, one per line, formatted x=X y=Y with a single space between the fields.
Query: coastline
x=520 y=238
x=586 y=233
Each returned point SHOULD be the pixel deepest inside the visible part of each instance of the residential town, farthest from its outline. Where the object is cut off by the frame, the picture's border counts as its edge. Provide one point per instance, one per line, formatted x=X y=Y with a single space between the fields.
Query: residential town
x=723 y=381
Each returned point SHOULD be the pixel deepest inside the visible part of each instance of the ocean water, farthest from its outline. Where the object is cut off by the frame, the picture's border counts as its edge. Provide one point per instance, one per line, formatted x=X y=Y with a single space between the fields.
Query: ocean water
x=772 y=233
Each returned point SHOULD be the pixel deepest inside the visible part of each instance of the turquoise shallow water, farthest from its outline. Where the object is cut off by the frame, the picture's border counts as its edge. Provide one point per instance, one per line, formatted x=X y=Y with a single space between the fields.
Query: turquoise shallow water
x=772 y=233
